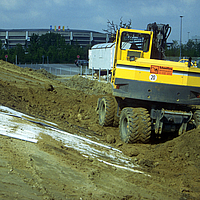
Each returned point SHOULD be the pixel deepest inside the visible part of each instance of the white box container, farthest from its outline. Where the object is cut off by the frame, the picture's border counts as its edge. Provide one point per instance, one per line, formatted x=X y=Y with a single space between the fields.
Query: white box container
x=102 y=56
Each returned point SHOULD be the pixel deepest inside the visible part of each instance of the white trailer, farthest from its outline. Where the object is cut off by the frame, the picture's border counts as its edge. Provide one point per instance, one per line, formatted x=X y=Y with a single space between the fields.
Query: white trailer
x=102 y=56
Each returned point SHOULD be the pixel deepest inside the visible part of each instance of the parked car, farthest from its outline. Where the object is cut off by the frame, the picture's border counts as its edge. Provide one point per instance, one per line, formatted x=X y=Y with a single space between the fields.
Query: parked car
x=81 y=62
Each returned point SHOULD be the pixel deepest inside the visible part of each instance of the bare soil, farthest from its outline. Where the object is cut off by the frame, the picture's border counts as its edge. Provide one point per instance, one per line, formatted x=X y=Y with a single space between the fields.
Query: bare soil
x=49 y=170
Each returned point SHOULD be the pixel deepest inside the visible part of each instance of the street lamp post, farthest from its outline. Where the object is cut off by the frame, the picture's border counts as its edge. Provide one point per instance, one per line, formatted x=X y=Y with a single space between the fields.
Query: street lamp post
x=188 y=36
x=181 y=35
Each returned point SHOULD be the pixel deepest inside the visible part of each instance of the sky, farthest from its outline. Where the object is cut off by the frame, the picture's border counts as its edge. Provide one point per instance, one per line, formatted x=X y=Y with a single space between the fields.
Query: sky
x=94 y=14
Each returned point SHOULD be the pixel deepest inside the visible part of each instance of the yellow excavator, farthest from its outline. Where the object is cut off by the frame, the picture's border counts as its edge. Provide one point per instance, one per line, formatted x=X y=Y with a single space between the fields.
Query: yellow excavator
x=150 y=95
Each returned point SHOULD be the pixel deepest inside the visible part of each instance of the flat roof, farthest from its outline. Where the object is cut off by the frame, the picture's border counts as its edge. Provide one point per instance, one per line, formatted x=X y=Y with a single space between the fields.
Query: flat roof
x=66 y=30
x=103 y=45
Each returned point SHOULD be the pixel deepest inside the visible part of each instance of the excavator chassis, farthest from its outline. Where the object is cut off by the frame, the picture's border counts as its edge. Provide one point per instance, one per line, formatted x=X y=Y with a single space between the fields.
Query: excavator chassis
x=138 y=119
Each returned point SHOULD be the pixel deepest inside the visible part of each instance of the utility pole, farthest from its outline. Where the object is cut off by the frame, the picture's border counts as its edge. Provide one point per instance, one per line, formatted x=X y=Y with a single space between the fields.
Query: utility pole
x=181 y=35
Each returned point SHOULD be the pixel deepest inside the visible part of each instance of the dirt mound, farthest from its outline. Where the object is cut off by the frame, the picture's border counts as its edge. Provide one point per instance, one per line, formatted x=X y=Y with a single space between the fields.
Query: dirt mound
x=174 y=165
x=47 y=74
x=89 y=86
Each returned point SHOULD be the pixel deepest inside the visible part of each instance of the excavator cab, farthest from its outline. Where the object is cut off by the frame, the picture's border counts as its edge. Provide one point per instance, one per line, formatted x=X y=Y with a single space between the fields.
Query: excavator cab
x=133 y=44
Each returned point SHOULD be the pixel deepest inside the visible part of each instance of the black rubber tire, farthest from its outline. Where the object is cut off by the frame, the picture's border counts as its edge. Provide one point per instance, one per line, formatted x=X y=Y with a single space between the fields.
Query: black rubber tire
x=116 y=117
x=145 y=125
x=128 y=125
x=196 y=117
x=107 y=106
x=134 y=125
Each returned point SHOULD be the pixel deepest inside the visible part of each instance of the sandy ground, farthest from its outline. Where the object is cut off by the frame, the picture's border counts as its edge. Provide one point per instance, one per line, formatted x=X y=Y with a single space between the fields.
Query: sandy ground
x=50 y=170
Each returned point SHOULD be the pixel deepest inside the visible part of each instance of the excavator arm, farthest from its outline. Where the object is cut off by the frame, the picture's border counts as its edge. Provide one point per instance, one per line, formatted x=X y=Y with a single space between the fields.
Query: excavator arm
x=160 y=34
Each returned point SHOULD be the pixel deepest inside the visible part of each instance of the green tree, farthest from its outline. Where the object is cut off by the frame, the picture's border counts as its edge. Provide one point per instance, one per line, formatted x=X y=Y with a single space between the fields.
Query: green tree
x=52 y=45
x=1 y=45
x=1 y=51
x=33 y=47
x=189 y=49
x=174 y=49
x=198 y=49
x=20 y=52
x=51 y=39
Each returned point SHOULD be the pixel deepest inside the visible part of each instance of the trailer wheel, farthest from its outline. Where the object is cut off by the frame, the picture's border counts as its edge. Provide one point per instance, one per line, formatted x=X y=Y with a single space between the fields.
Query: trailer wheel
x=134 y=125
x=196 y=117
x=107 y=106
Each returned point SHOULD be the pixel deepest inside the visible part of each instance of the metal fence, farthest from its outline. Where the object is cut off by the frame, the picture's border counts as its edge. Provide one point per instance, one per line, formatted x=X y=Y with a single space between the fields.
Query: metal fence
x=70 y=70
x=55 y=69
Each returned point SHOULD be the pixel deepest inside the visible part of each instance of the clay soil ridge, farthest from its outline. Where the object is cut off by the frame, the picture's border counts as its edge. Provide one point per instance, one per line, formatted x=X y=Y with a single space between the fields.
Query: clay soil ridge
x=48 y=170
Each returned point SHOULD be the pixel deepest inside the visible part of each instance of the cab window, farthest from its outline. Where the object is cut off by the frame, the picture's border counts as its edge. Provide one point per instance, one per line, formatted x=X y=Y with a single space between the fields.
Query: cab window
x=135 y=41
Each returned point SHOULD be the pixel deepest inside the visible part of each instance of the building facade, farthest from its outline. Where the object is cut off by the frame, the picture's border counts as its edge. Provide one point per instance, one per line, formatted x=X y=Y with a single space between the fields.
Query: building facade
x=10 y=38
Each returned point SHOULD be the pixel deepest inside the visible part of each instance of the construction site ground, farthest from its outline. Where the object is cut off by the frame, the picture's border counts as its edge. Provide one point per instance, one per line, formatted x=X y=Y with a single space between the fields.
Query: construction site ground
x=47 y=169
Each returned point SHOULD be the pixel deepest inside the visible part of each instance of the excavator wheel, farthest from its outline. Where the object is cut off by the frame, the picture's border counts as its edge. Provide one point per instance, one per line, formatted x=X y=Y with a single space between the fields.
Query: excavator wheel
x=196 y=117
x=128 y=125
x=107 y=107
x=134 y=125
x=145 y=125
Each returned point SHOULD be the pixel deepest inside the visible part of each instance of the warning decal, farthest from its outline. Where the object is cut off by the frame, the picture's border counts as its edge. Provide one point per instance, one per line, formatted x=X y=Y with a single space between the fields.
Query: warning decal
x=161 y=70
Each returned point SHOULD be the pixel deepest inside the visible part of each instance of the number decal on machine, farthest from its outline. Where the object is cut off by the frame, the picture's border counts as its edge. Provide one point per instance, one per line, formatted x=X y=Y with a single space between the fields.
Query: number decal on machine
x=152 y=77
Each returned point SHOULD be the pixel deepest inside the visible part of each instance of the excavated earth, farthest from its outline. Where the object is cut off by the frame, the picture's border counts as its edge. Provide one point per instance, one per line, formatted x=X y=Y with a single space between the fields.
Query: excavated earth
x=49 y=170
